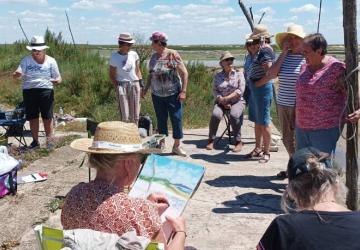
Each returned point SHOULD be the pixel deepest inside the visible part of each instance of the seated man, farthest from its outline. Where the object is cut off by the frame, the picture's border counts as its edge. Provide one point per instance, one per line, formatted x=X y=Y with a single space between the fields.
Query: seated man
x=228 y=87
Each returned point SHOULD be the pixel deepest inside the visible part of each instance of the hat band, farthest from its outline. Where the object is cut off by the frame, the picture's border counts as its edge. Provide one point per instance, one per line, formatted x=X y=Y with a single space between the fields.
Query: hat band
x=125 y=39
x=37 y=44
x=116 y=146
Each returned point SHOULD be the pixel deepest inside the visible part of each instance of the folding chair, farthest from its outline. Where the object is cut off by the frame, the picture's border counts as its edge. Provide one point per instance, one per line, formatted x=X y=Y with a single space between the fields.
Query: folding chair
x=14 y=124
x=227 y=130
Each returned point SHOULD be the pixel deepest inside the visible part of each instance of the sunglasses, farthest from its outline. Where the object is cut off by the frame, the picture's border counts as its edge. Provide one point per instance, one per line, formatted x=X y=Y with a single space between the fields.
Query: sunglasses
x=229 y=59
x=255 y=42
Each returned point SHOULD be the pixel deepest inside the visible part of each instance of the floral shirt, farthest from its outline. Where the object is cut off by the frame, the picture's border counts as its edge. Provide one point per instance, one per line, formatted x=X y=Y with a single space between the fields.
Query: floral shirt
x=102 y=207
x=318 y=104
x=224 y=86
x=165 y=80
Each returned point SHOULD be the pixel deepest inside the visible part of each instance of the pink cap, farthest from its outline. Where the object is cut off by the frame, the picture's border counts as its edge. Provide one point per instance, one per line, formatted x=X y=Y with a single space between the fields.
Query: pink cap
x=159 y=36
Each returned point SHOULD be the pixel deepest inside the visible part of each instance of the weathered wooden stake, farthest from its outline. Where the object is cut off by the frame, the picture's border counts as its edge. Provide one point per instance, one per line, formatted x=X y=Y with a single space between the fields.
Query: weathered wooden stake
x=67 y=18
x=247 y=15
x=351 y=53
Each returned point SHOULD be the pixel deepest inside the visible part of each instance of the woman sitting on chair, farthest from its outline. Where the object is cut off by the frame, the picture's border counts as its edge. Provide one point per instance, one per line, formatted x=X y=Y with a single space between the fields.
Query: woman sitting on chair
x=102 y=204
x=228 y=87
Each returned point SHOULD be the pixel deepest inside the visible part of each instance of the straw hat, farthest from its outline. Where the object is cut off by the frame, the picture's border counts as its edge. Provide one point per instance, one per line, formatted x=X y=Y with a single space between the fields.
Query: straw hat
x=113 y=137
x=126 y=38
x=226 y=55
x=259 y=31
x=294 y=29
x=37 y=43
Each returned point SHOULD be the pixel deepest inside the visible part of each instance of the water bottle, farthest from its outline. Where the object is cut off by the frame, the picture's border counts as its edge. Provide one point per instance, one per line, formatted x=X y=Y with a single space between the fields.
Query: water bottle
x=61 y=112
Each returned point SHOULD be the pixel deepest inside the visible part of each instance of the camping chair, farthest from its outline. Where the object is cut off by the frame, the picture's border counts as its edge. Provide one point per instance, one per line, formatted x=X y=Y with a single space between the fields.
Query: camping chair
x=13 y=122
x=53 y=239
x=227 y=130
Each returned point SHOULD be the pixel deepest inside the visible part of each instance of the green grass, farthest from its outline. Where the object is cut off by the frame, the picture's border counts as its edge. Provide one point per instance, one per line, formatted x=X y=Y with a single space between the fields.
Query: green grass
x=86 y=89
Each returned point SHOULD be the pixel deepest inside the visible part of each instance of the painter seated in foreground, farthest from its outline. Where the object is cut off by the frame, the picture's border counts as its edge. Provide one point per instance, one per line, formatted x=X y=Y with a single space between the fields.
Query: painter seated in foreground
x=102 y=205
x=320 y=220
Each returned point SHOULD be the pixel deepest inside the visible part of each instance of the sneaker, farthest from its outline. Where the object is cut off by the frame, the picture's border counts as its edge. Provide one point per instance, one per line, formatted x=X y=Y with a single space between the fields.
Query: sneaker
x=179 y=151
x=238 y=146
x=34 y=145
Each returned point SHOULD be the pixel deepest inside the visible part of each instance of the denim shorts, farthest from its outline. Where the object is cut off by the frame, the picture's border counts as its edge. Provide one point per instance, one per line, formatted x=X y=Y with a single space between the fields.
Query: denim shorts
x=323 y=139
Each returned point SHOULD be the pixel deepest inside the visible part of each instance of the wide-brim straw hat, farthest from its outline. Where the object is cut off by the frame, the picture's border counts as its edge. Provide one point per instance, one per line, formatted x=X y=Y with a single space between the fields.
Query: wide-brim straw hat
x=126 y=38
x=259 y=31
x=113 y=137
x=294 y=29
x=226 y=55
x=37 y=43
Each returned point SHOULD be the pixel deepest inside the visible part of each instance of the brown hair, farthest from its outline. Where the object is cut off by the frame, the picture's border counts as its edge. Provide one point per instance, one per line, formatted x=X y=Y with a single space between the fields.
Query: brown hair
x=316 y=41
x=309 y=188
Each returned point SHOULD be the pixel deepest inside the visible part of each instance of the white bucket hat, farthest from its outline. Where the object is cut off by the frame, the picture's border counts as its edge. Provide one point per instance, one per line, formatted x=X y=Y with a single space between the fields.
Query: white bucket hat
x=126 y=38
x=37 y=43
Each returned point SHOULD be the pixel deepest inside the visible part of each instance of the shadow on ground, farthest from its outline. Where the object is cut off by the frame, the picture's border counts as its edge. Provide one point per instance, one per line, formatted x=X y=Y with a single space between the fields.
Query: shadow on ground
x=219 y=145
x=248 y=181
x=252 y=203
x=222 y=157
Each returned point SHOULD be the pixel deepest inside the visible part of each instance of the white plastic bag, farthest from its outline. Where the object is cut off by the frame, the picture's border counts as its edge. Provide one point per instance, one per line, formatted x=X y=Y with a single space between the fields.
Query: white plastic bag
x=7 y=163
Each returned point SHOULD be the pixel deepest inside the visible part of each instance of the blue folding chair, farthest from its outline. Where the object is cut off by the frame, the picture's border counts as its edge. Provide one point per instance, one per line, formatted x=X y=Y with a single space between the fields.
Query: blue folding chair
x=13 y=122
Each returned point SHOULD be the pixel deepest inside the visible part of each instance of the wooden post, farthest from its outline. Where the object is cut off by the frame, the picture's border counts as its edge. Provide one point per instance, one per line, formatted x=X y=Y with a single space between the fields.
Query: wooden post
x=247 y=15
x=351 y=53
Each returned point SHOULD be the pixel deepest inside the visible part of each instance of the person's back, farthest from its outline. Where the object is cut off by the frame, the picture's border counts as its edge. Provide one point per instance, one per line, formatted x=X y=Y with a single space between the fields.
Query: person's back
x=307 y=230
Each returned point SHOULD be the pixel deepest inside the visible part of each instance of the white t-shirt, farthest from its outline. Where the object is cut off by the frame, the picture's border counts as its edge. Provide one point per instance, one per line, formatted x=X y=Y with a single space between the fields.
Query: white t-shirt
x=38 y=75
x=125 y=65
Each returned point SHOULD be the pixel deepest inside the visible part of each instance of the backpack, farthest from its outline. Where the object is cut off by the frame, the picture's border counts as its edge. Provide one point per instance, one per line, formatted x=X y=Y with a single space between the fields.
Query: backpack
x=8 y=173
x=145 y=122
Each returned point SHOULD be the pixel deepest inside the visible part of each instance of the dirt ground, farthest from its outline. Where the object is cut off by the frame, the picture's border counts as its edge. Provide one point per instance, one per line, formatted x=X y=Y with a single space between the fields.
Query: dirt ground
x=233 y=206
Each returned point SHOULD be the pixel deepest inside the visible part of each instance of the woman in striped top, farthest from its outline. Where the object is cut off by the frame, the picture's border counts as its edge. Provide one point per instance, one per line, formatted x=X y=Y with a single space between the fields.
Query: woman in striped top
x=287 y=69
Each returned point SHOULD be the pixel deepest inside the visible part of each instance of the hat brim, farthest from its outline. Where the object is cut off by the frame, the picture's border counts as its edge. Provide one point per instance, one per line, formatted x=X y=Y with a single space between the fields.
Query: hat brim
x=279 y=38
x=258 y=36
x=37 y=47
x=227 y=57
x=132 y=41
x=84 y=145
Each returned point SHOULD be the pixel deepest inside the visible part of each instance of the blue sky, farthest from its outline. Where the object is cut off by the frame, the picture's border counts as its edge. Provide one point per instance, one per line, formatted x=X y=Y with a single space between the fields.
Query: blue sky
x=185 y=21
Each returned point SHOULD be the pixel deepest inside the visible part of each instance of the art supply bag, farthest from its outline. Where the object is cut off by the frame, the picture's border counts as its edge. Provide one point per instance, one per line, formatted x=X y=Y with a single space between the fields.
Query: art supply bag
x=8 y=173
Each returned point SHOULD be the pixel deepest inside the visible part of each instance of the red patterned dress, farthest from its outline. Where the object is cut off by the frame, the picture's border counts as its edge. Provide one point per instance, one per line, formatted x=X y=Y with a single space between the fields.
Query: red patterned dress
x=102 y=207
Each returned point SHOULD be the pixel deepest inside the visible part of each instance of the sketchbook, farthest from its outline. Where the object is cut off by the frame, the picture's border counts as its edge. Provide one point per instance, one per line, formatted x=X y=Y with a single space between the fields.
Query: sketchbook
x=177 y=180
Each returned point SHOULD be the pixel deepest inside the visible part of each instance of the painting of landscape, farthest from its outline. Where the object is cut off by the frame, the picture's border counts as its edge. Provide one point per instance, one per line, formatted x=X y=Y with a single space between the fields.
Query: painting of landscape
x=176 y=179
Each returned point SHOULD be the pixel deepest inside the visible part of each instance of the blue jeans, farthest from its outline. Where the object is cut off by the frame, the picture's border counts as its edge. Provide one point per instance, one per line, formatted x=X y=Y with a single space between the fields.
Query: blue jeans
x=168 y=106
x=322 y=139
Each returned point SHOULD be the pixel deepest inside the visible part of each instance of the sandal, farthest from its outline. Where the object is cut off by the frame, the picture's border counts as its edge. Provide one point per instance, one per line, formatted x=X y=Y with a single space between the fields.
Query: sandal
x=265 y=158
x=256 y=153
x=282 y=175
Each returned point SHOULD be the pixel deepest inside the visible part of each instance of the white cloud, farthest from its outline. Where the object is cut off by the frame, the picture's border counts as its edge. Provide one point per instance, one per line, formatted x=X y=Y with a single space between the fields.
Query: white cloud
x=162 y=8
x=218 y=1
x=267 y=10
x=168 y=16
x=305 y=8
x=100 y=4
x=89 y=5
x=25 y=1
x=266 y=1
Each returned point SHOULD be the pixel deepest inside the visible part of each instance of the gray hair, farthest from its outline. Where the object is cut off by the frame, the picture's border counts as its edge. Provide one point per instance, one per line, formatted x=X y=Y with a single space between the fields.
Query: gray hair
x=308 y=189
